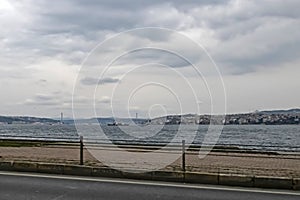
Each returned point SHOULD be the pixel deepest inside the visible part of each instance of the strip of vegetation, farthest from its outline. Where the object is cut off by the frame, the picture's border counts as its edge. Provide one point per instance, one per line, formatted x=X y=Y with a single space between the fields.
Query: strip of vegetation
x=19 y=144
x=23 y=143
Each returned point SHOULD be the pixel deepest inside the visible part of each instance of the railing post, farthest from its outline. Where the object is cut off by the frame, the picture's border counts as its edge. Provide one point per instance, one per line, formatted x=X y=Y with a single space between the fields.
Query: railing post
x=81 y=150
x=183 y=155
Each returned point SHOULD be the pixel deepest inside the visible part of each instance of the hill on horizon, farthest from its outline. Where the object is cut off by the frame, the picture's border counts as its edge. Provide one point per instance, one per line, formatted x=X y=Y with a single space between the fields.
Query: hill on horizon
x=289 y=111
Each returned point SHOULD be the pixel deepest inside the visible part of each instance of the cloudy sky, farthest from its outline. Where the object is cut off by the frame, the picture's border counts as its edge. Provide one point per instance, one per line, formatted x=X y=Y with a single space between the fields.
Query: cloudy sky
x=45 y=49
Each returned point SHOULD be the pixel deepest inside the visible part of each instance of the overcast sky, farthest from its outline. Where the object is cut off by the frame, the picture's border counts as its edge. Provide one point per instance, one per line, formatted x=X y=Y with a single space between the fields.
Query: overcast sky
x=255 y=44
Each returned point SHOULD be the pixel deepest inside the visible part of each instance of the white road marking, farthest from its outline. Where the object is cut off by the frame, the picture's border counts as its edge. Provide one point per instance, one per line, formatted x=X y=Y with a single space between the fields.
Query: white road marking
x=148 y=183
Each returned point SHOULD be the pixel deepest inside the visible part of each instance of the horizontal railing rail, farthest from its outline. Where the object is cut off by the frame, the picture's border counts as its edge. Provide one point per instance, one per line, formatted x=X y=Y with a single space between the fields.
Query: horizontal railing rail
x=155 y=143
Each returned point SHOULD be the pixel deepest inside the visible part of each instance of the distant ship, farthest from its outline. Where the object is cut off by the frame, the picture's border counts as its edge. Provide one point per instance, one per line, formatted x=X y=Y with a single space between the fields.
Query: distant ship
x=117 y=124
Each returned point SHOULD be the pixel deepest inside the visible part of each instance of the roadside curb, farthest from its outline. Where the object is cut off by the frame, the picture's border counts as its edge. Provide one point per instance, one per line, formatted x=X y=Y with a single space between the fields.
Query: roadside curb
x=236 y=180
x=202 y=178
x=273 y=182
x=169 y=176
x=296 y=183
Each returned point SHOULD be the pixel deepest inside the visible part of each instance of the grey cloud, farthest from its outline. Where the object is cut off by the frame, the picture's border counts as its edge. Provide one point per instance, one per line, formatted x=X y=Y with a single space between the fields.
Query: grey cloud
x=145 y=56
x=56 y=99
x=95 y=81
x=154 y=36
x=241 y=36
x=274 y=42
x=68 y=30
x=104 y=100
x=82 y=17
x=33 y=102
x=44 y=97
x=43 y=100
x=14 y=73
x=80 y=21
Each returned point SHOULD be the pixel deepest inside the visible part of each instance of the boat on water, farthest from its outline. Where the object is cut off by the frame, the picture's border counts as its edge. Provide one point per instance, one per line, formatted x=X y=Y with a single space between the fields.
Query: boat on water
x=117 y=124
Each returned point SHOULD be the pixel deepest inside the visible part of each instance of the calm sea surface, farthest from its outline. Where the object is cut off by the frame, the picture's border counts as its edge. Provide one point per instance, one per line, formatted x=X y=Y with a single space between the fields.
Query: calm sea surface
x=261 y=137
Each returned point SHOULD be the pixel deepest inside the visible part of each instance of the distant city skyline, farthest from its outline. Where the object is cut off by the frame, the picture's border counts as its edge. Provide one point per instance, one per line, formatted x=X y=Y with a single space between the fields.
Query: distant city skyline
x=255 y=44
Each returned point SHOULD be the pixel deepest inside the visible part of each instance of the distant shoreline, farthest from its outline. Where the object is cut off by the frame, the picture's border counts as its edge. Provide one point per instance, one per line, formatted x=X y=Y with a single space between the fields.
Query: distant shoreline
x=274 y=117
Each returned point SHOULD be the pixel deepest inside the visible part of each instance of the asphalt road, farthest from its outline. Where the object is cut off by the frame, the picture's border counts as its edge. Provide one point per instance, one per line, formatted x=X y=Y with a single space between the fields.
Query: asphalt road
x=40 y=186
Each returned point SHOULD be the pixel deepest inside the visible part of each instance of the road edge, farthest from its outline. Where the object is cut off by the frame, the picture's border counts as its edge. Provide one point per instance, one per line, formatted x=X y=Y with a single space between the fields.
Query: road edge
x=169 y=176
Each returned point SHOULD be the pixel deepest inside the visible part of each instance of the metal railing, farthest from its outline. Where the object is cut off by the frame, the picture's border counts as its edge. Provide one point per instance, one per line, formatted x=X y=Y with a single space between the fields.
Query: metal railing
x=176 y=147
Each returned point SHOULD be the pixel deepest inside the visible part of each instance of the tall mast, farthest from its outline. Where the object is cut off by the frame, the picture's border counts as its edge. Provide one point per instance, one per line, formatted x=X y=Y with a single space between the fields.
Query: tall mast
x=61 y=118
